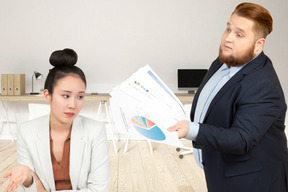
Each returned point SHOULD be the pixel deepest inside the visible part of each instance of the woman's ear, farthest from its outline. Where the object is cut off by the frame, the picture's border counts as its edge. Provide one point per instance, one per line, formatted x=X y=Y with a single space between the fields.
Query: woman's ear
x=47 y=96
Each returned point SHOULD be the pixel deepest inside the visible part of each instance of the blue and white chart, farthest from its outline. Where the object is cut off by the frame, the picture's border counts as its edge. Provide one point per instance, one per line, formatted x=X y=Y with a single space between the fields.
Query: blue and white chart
x=147 y=128
x=145 y=107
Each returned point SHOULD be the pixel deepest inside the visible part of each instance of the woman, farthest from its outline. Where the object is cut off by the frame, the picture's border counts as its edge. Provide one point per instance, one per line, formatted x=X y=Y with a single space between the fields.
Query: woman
x=62 y=151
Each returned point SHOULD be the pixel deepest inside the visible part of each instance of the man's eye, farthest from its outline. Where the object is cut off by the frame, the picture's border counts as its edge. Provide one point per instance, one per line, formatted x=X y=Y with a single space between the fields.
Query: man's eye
x=239 y=35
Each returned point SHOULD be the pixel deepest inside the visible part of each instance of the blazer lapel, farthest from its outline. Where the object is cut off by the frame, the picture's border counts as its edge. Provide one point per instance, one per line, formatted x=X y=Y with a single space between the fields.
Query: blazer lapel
x=255 y=63
x=44 y=154
x=77 y=146
x=224 y=90
x=214 y=67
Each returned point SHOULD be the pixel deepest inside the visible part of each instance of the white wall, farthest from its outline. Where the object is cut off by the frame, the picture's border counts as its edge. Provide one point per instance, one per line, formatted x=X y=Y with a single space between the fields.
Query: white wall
x=113 y=38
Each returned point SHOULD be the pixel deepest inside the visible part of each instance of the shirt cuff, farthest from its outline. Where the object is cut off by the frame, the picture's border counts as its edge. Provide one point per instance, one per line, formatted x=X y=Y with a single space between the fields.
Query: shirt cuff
x=193 y=131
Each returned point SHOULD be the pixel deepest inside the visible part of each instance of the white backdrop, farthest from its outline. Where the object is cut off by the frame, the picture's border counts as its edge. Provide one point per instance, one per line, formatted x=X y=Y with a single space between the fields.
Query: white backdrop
x=113 y=38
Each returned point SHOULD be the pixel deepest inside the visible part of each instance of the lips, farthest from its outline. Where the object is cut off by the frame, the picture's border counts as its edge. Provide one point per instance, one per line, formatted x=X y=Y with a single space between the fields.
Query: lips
x=70 y=114
x=227 y=47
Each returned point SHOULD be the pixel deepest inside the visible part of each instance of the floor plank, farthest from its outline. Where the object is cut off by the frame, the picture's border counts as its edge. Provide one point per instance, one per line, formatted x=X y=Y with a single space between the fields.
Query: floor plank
x=114 y=164
x=136 y=170
x=151 y=175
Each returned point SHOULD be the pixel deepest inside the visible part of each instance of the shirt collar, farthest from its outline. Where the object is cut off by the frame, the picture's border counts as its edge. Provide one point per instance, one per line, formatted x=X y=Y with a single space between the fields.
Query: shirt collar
x=231 y=71
x=234 y=70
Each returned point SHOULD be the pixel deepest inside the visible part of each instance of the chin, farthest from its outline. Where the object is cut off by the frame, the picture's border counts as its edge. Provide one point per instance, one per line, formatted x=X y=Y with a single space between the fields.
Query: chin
x=68 y=120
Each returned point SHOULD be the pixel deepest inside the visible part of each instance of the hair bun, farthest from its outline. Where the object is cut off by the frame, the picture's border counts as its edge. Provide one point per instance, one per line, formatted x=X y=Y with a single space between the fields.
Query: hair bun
x=66 y=57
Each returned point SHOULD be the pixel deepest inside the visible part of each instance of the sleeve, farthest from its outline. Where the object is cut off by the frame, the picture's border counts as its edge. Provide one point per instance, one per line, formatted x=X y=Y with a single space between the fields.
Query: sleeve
x=259 y=108
x=99 y=176
x=193 y=131
x=24 y=158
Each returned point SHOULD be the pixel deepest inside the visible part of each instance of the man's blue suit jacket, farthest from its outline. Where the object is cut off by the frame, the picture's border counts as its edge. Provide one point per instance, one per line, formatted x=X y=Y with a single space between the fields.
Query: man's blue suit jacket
x=242 y=137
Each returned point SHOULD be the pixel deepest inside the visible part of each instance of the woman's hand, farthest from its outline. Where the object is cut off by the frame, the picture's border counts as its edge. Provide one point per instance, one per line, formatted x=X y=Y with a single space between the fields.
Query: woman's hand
x=182 y=128
x=20 y=174
x=39 y=185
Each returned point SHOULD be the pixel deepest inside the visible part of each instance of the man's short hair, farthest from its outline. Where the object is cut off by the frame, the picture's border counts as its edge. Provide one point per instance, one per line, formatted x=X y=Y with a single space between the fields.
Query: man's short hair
x=263 y=22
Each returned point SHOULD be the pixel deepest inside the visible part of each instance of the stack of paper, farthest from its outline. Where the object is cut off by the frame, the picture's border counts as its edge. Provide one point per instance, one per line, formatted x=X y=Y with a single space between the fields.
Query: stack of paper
x=145 y=106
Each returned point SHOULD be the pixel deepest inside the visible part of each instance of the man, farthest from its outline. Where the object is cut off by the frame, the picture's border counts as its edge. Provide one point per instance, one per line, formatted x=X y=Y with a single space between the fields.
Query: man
x=238 y=113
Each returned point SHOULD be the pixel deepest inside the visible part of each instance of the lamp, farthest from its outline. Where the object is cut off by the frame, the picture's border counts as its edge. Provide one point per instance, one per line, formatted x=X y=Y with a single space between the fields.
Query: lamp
x=37 y=77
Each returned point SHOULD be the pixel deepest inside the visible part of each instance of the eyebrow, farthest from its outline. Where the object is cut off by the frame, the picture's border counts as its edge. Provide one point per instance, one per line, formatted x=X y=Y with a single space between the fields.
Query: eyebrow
x=239 y=29
x=71 y=91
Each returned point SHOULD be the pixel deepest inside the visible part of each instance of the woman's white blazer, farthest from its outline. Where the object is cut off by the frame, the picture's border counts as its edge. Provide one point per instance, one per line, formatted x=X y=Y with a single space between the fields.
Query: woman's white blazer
x=89 y=161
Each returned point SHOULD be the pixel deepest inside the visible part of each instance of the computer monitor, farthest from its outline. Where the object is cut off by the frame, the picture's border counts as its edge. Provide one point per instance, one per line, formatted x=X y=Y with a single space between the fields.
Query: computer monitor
x=190 y=79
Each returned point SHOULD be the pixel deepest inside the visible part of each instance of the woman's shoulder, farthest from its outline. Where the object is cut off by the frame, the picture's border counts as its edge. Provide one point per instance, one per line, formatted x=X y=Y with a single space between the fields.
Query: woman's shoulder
x=32 y=126
x=36 y=120
x=91 y=124
x=92 y=127
x=89 y=121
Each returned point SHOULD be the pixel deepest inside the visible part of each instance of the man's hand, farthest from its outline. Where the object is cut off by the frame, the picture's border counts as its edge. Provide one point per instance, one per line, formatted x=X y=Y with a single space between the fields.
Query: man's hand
x=182 y=127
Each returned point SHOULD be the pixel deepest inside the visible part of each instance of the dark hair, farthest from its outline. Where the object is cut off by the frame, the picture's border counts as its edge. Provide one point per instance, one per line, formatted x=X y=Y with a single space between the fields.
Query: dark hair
x=64 y=64
x=263 y=22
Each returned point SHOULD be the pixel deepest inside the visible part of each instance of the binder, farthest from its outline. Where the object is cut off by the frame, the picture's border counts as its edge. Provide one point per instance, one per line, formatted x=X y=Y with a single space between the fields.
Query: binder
x=19 y=84
x=4 y=84
x=10 y=84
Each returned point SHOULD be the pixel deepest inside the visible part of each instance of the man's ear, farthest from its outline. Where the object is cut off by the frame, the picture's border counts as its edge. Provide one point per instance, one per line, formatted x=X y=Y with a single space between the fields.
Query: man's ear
x=47 y=96
x=259 y=46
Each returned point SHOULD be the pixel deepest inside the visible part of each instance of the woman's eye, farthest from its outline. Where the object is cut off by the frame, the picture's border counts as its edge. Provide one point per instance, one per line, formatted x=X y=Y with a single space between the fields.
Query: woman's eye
x=66 y=96
x=80 y=97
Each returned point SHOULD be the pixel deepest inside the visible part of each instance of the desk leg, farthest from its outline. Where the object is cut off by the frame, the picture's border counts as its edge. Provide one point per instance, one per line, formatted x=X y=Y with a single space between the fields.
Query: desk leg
x=126 y=143
x=6 y=117
x=150 y=146
x=104 y=102
x=110 y=125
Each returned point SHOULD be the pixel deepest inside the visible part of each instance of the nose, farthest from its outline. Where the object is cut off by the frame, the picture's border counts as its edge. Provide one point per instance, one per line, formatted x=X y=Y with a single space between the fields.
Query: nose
x=71 y=103
x=229 y=37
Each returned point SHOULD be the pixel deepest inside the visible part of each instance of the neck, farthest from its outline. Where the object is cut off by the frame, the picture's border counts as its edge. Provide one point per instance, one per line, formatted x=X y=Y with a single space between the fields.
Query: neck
x=59 y=127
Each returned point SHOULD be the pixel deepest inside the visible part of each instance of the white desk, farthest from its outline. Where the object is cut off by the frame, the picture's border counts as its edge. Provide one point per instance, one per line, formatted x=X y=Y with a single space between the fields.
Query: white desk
x=101 y=97
x=28 y=97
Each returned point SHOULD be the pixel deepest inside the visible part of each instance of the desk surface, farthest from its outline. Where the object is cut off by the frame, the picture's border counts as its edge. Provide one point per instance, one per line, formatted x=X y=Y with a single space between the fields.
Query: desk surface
x=99 y=97
x=28 y=97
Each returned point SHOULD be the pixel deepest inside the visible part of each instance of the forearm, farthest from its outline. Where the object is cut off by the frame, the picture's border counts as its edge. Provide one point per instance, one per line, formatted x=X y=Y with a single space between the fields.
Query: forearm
x=29 y=181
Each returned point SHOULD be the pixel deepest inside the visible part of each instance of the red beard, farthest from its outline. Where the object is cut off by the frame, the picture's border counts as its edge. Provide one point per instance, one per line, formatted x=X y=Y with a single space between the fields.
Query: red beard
x=232 y=61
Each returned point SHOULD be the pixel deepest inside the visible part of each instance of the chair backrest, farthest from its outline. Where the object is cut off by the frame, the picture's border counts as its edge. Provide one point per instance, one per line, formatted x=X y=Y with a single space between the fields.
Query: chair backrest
x=38 y=110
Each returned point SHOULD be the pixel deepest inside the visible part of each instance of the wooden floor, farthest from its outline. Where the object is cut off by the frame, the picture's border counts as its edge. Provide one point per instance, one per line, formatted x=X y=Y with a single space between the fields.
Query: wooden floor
x=136 y=170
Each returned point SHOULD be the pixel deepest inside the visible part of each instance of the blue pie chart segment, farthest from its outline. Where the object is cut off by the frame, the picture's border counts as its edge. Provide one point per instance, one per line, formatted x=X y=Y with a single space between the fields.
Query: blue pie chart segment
x=147 y=128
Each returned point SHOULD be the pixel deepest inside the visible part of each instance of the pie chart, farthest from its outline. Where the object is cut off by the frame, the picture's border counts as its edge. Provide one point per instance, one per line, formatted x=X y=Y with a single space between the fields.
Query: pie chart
x=147 y=128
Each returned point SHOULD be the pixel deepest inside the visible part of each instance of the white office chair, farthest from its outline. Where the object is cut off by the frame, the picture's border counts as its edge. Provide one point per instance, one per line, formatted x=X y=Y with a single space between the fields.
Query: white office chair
x=38 y=110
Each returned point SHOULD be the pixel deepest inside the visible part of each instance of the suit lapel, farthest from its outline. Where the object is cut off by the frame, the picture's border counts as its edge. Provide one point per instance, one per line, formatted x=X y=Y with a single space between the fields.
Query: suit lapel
x=77 y=146
x=214 y=67
x=43 y=147
x=234 y=80
x=255 y=63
